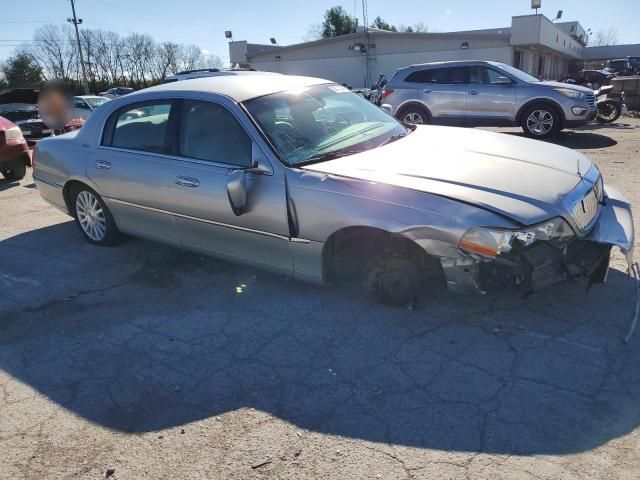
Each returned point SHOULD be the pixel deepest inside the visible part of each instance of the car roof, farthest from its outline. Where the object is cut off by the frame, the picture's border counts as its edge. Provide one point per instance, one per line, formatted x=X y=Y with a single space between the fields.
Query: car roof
x=238 y=87
x=87 y=96
x=449 y=63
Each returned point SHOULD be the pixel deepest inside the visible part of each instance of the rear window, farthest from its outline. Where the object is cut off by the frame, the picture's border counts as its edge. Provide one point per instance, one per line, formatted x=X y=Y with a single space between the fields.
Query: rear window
x=453 y=75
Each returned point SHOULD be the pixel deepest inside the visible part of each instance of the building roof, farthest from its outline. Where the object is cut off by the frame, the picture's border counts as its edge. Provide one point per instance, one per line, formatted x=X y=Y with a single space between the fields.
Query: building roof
x=611 y=51
x=485 y=33
x=238 y=87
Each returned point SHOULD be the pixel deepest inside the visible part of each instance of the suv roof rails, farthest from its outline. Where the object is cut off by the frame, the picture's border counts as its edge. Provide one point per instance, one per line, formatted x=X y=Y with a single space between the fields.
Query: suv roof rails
x=197 y=70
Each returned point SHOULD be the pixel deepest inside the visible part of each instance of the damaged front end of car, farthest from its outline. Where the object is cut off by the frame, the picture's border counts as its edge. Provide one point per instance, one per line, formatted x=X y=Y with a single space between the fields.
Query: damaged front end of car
x=553 y=251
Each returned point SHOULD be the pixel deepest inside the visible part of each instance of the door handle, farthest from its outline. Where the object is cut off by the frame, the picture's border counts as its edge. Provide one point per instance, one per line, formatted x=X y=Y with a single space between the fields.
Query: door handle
x=428 y=90
x=473 y=92
x=102 y=164
x=187 y=181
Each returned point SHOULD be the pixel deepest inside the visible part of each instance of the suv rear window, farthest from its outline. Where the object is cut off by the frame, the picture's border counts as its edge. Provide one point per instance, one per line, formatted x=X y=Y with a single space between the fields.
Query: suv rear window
x=452 y=75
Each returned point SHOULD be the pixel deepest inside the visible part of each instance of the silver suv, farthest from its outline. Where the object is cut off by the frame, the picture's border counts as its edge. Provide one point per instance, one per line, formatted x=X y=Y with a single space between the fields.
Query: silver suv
x=475 y=93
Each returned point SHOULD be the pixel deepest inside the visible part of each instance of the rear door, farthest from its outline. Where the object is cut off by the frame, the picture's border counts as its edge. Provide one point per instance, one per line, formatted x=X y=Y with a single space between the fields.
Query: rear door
x=487 y=101
x=131 y=168
x=443 y=90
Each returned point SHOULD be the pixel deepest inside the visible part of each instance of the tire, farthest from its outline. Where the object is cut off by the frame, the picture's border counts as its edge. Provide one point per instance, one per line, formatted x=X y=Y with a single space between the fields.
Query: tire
x=608 y=112
x=93 y=217
x=16 y=171
x=414 y=114
x=540 y=121
x=394 y=281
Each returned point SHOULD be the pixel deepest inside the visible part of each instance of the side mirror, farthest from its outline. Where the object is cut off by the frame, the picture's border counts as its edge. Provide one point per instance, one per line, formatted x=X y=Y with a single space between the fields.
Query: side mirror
x=237 y=181
x=237 y=191
x=503 y=81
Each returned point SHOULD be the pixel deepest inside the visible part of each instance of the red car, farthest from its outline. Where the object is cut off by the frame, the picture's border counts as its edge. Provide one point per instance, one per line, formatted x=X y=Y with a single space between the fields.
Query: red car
x=14 y=152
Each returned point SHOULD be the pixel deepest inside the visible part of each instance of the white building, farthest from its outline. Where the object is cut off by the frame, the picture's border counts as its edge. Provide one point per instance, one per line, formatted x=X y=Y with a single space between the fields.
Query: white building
x=532 y=43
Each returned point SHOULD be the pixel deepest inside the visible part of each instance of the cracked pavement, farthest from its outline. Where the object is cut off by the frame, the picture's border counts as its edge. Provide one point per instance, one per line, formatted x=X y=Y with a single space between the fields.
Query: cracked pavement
x=160 y=363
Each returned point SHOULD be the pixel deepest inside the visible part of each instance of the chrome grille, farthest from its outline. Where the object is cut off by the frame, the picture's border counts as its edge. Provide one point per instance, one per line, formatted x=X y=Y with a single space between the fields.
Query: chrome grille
x=585 y=210
x=591 y=99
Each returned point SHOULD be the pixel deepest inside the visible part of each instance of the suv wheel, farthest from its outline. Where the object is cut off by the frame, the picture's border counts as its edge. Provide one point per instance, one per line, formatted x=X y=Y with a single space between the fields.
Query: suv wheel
x=540 y=121
x=413 y=114
x=93 y=217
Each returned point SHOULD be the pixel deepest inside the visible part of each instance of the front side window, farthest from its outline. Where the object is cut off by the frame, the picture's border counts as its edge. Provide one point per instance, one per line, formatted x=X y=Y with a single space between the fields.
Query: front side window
x=210 y=132
x=142 y=127
x=322 y=122
x=483 y=75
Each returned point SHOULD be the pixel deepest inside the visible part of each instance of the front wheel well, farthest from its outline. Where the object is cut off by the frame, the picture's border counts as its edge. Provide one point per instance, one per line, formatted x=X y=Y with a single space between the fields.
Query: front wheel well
x=542 y=102
x=348 y=251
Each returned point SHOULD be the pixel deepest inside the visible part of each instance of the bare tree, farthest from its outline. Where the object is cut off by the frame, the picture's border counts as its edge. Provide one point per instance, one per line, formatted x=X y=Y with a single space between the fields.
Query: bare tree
x=602 y=38
x=111 y=59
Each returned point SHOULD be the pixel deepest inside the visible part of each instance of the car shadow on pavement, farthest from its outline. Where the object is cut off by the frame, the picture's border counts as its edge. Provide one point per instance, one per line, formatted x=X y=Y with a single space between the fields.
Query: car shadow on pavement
x=577 y=139
x=142 y=337
x=7 y=184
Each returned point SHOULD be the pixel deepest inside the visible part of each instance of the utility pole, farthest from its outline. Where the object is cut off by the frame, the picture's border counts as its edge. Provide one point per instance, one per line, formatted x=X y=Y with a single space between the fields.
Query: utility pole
x=76 y=21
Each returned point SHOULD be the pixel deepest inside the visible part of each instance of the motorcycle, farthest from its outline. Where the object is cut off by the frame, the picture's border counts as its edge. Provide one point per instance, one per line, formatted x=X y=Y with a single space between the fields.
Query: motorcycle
x=376 y=90
x=610 y=104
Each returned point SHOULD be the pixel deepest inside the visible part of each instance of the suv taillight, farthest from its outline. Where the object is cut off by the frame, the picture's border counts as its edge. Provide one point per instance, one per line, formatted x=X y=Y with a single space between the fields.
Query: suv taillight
x=386 y=92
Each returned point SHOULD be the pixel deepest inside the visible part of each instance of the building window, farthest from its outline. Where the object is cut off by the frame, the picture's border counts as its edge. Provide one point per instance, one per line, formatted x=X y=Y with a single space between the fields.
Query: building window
x=464 y=45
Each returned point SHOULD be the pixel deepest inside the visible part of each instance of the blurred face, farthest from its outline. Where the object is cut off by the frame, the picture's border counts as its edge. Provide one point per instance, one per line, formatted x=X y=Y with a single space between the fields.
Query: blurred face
x=54 y=105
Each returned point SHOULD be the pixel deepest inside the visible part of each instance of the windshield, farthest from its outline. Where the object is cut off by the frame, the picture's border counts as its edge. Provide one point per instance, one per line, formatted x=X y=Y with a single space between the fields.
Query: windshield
x=95 y=102
x=519 y=74
x=322 y=122
x=17 y=107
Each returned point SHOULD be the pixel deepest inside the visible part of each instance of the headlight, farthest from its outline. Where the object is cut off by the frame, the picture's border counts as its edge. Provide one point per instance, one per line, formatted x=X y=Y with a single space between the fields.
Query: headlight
x=567 y=92
x=490 y=242
x=13 y=133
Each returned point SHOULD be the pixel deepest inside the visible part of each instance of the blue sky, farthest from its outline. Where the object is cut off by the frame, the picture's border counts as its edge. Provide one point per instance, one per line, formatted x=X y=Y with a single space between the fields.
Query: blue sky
x=203 y=22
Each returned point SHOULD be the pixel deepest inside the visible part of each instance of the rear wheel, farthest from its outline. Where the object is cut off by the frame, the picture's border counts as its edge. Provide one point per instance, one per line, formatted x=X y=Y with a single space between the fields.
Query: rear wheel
x=93 y=217
x=16 y=171
x=413 y=114
x=540 y=121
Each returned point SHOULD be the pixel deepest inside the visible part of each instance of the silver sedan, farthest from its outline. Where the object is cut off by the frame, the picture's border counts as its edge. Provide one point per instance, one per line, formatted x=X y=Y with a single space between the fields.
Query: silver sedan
x=302 y=177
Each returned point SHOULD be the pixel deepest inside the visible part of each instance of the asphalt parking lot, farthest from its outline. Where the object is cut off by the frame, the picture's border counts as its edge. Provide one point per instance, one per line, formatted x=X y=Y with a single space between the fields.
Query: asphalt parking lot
x=142 y=361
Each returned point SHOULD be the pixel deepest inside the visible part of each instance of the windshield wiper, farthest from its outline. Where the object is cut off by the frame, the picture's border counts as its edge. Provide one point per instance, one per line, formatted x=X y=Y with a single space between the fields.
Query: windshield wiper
x=393 y=138
x=327 y=156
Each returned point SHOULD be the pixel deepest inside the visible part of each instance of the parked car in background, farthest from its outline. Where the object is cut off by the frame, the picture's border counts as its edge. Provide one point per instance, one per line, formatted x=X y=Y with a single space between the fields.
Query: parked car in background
x=303 y=177
x=116 y=92
x=475 y=93
x=83 y=105
x=593 y=79
x=623 y=66
x=27 y=117
x=212 y=72
x=14 y=152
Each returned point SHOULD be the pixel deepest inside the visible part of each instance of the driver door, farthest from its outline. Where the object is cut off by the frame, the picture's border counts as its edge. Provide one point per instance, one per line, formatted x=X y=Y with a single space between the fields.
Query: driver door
x=213 y=142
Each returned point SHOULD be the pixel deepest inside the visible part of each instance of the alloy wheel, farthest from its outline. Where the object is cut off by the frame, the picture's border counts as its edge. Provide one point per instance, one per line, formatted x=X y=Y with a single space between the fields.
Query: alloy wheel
x=413 y=117
x=540 y=122
x=91 y=216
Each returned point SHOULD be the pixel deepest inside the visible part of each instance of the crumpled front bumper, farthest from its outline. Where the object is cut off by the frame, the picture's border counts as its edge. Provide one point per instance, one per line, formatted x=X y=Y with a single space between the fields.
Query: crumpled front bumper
x=543 y=264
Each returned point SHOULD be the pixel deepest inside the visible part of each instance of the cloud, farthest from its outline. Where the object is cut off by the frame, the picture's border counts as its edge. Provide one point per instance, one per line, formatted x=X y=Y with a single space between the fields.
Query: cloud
x=448 y=11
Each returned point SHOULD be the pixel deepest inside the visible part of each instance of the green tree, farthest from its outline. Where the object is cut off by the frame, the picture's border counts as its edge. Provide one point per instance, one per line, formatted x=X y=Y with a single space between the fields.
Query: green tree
x=337 y=22
x=379 y=23
x=21 y=71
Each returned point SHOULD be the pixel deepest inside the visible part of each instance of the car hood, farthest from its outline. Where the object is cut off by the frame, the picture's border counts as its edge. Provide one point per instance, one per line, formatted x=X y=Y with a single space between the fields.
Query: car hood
x=571 y=86
x=525 y=180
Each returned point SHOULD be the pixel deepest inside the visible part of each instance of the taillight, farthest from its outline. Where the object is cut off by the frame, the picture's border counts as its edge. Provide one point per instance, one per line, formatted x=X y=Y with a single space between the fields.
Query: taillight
x=13 y=133
x=386 y=92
